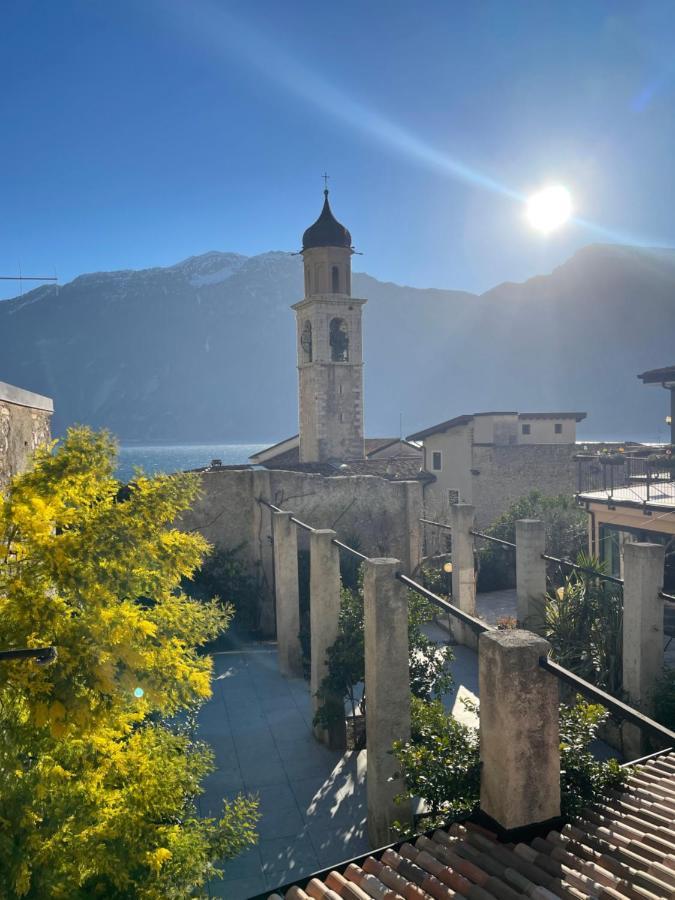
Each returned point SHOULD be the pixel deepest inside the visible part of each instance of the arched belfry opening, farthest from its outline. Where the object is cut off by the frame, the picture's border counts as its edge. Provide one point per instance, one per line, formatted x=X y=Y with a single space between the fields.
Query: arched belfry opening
x=335 y=280
x=339 y=340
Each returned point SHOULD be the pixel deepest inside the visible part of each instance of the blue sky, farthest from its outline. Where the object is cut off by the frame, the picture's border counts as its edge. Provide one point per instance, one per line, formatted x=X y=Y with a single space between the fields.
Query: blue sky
x=138 y=133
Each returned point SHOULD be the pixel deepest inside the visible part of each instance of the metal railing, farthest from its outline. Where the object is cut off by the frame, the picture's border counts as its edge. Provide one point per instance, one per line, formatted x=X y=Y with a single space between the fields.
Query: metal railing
x=610 y=472
x=310 y=529
x=616 y=707
x=476 y=624
x=495 y=540
x=42 y=655
x=585 y=569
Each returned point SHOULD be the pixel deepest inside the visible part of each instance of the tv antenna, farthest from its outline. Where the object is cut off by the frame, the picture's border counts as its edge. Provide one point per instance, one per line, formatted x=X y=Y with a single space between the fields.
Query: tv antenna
x=21 y=278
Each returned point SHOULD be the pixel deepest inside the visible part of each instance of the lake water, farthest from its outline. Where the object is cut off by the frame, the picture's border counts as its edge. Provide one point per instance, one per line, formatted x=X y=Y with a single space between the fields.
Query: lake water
x=178 y=458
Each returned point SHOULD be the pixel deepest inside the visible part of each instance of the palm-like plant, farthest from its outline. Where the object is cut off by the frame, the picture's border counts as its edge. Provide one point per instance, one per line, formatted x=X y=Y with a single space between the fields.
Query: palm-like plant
x=584 y=624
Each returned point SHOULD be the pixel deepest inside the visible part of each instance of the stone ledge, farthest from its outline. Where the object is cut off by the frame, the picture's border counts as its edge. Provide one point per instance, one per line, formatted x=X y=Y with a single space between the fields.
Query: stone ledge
x=20 y=397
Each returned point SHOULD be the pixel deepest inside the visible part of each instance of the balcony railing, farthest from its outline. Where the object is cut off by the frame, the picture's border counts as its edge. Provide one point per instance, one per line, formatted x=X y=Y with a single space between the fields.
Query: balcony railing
x=611 y=472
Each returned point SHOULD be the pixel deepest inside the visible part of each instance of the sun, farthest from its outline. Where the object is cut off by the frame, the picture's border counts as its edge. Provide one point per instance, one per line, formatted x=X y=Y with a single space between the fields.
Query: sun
x=549 y=208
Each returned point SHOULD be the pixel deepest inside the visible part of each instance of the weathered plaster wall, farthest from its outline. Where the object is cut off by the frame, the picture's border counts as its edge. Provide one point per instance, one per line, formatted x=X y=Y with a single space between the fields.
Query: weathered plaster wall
x=24 y=425
x=500 y=475
x=376 y=516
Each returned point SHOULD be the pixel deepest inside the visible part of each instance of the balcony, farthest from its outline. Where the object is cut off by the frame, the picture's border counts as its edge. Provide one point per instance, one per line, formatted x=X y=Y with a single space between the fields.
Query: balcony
x=627 y=477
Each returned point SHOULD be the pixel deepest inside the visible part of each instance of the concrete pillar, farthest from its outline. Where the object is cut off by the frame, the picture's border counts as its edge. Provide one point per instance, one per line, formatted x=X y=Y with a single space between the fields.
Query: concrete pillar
x=462 y=517
x=262 y=552
x=412 y=512
x=287 y=598
x=387 y=694
x=642 y=633
x=519 y=741
x=324 y=609
x=531 y=574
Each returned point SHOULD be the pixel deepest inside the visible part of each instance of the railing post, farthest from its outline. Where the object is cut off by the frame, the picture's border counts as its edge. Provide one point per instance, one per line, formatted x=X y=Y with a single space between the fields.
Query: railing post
x=387 y=694
x=287 y=598
x=642 y=632
x=462 y=517
x=519 y=739
x=324 y=611
x=412 y=505
x=531 y=574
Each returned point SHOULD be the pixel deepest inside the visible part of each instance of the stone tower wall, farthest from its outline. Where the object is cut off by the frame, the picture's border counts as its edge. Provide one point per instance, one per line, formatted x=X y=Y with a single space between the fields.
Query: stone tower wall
x=330 y=391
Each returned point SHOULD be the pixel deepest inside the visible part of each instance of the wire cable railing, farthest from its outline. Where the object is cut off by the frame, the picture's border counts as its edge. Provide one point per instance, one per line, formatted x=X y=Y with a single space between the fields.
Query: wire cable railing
x=669 y=598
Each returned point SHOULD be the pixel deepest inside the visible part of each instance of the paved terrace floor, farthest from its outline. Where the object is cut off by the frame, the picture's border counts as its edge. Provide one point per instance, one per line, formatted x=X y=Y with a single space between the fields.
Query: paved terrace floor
x=312 y=800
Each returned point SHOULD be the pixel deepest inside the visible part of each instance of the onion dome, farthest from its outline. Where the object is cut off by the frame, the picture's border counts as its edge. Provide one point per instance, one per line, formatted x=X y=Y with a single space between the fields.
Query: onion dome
x=326 y=231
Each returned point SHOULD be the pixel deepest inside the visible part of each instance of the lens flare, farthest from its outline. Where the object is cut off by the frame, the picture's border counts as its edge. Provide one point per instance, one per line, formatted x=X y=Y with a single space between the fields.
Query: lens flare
x=550 y=208
x=138 y=692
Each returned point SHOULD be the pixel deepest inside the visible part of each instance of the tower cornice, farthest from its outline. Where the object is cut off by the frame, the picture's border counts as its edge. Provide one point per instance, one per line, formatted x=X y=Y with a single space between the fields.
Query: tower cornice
x=328 y=300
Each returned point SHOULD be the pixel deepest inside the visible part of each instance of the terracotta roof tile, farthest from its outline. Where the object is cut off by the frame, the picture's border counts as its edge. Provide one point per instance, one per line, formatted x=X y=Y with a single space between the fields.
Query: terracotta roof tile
x=623 y=847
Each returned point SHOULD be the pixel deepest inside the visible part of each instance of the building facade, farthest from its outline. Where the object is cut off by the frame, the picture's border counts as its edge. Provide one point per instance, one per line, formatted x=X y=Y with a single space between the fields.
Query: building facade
x=491 y=459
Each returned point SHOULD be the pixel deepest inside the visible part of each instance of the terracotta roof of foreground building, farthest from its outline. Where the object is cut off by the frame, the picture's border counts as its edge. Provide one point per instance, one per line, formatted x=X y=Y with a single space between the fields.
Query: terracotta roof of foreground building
x=621 y=847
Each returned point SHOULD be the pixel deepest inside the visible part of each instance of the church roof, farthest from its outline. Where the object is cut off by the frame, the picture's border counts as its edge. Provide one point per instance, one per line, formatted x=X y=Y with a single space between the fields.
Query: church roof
x=326 y=231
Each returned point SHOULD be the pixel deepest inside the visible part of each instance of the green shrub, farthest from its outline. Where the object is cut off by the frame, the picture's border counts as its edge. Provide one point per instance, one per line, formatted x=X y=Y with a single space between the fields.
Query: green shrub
x=441 y=762
x=224 y=575
x=583 y=779
x=428 y=661
x=566 y=536
x=584 y=624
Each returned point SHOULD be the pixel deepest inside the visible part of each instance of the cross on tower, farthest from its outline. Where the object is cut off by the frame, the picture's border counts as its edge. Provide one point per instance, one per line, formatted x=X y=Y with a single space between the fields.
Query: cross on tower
x=325 y=177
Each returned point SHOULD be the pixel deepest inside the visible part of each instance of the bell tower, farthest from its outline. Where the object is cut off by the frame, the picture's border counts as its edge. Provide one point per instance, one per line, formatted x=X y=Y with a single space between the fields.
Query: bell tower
x=330 y=355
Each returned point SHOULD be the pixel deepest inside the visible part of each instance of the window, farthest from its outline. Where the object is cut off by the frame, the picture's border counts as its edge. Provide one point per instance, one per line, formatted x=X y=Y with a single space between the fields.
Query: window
x=453 y=497
x=308 y=281
x=436 y=461
x=339 y=340
x=335 y=280
x=525 y=429
x=558 y=427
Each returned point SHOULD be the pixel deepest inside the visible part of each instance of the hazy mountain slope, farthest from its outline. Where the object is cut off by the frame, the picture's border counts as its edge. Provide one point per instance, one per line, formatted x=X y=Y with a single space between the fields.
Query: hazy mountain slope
x=204 y=350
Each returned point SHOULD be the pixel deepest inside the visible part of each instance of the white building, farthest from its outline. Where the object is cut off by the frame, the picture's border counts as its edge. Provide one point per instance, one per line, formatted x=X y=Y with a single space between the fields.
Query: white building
x=491 y=459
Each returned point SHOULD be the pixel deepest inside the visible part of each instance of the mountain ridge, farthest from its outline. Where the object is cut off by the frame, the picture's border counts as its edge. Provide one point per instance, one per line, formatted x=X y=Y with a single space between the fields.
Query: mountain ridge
x=204 y=349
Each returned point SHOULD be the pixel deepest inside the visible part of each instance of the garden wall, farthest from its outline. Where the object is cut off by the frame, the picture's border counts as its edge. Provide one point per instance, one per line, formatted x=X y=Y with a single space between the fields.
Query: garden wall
x=375 y=516
x=24 y=425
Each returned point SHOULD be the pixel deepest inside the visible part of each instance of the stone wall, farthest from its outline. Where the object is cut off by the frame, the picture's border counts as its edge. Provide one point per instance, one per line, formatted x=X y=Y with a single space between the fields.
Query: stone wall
x=500 y=475
x=376 y=516
x=24 y=425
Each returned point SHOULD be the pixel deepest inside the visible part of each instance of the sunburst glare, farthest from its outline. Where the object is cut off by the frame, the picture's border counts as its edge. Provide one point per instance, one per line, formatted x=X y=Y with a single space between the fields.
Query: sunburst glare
x=549 y=208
